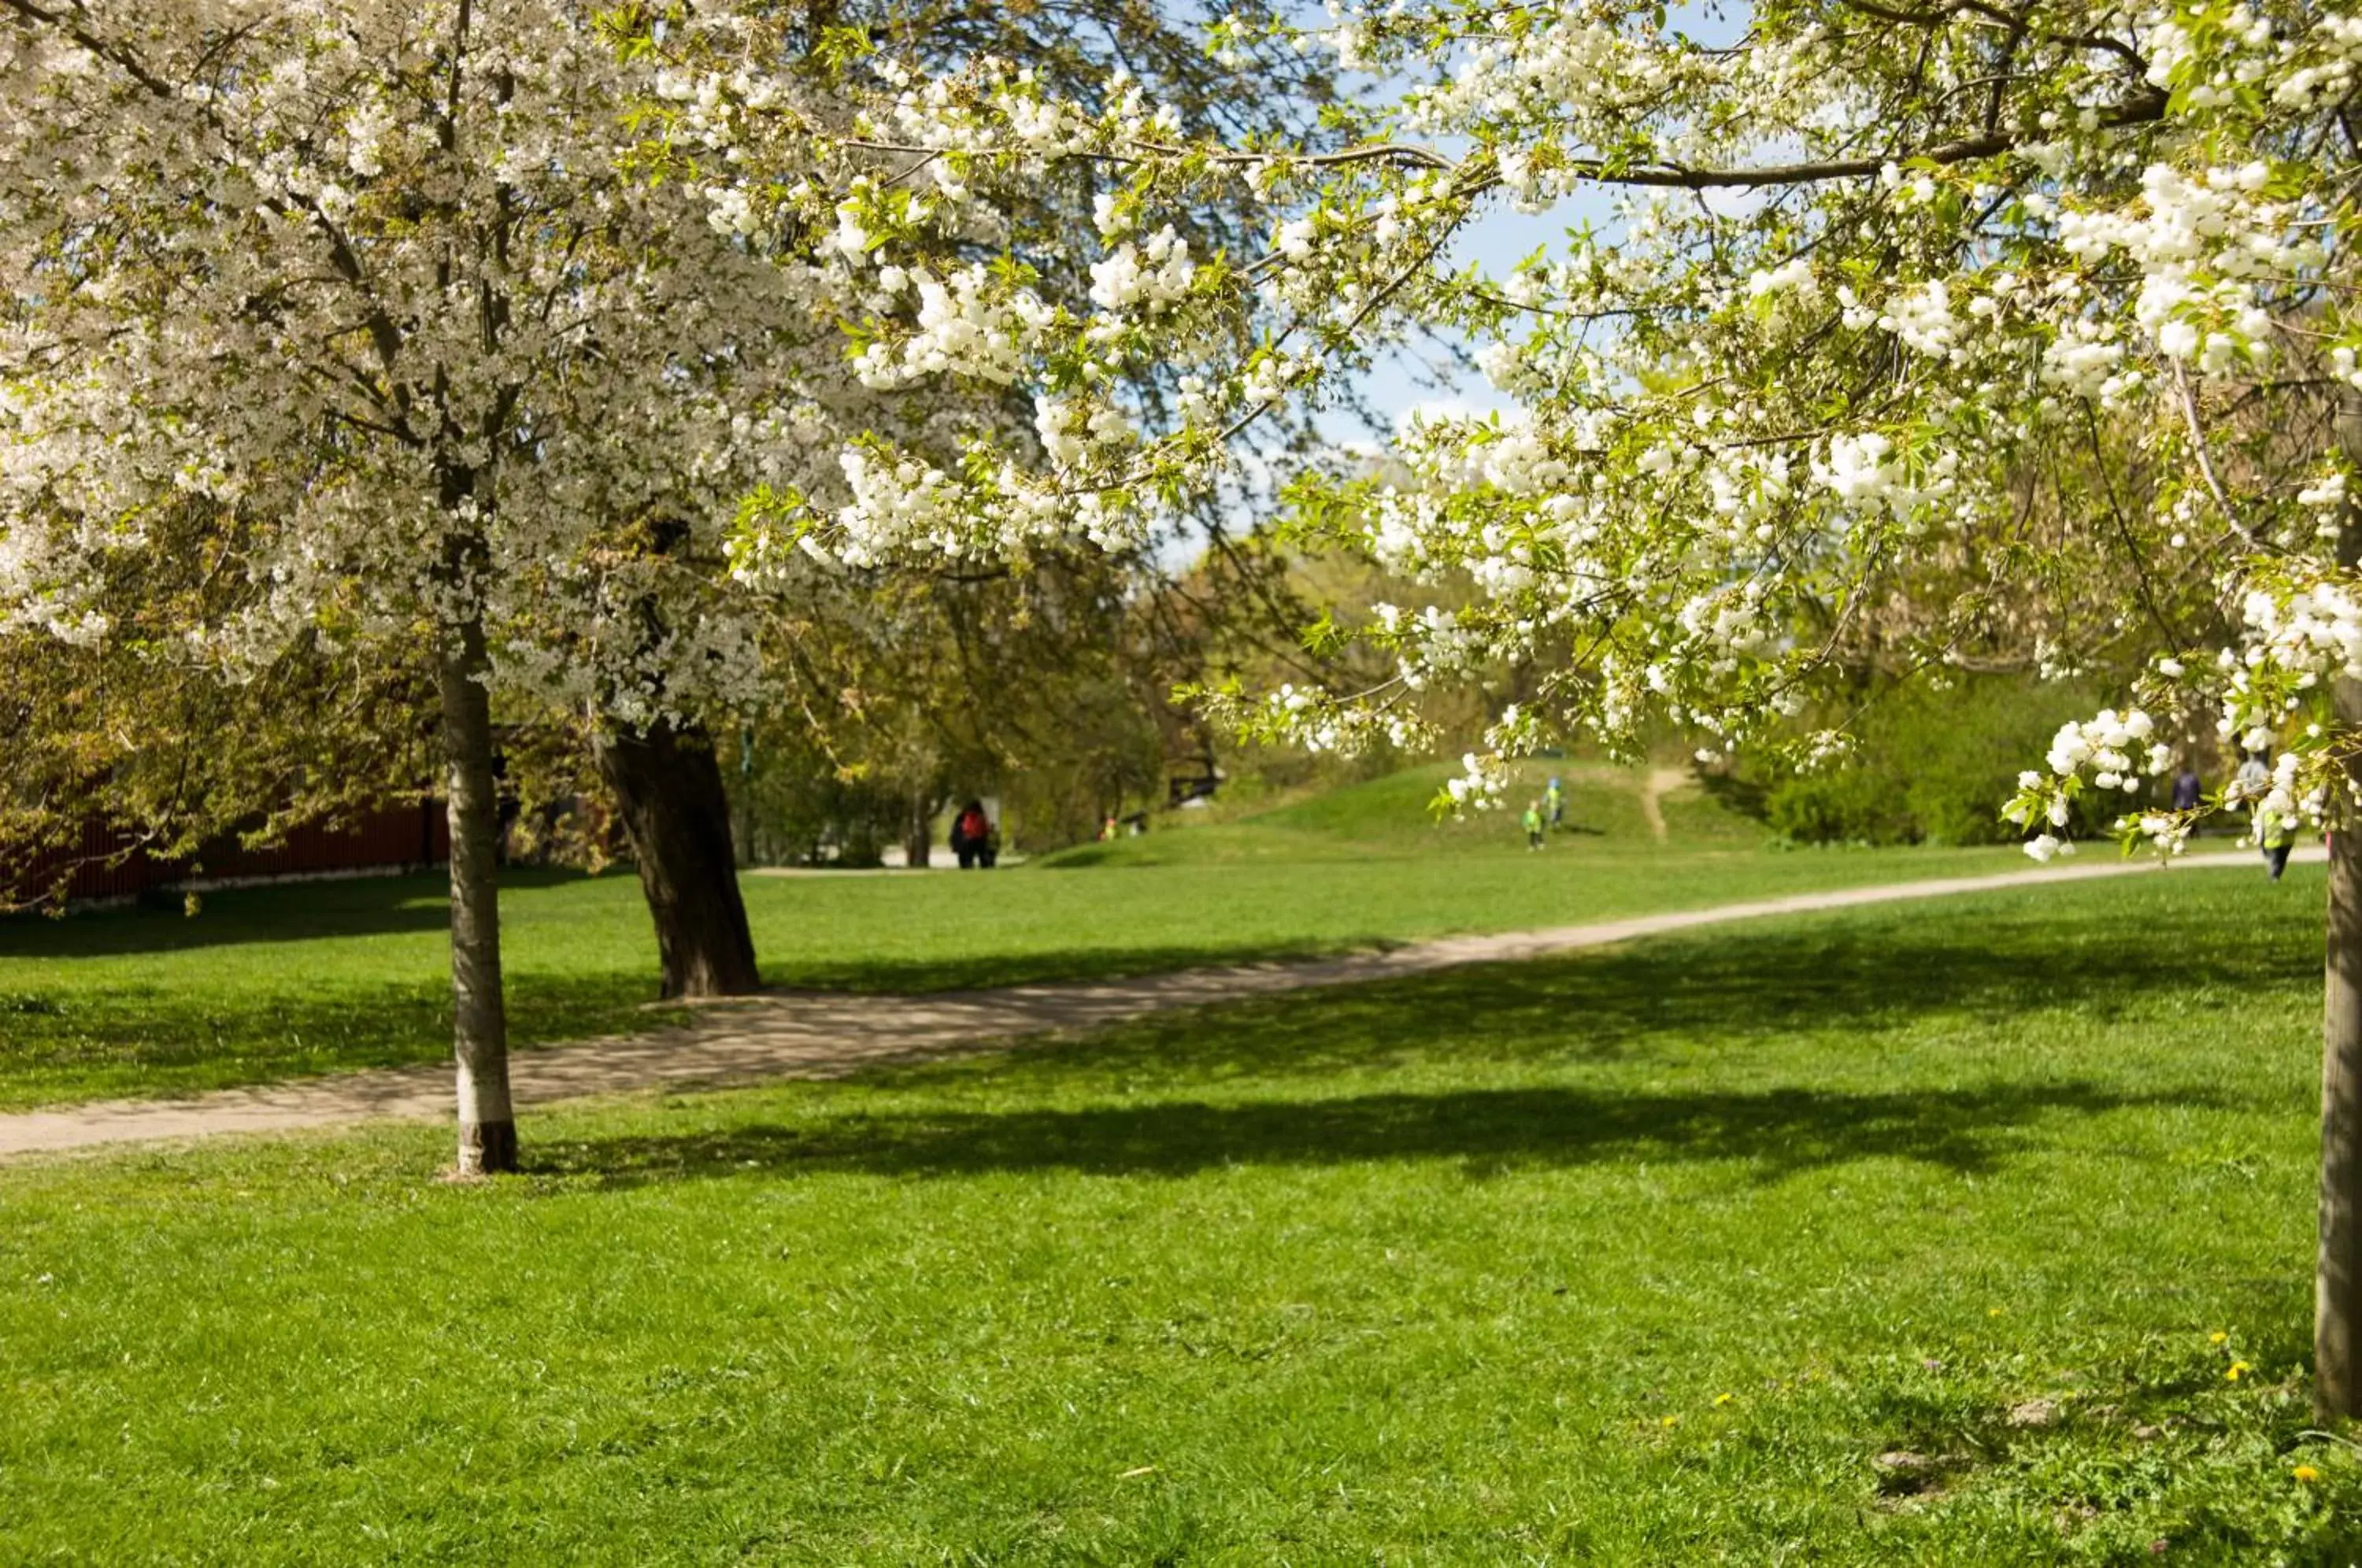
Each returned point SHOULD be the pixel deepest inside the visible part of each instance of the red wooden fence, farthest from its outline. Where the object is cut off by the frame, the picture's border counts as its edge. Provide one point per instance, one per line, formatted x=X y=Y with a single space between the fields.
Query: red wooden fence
x=392 y=838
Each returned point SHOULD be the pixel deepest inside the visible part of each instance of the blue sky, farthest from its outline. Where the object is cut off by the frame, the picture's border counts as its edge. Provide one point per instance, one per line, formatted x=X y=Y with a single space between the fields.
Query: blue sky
x=1502 y=236
x=1495 y=241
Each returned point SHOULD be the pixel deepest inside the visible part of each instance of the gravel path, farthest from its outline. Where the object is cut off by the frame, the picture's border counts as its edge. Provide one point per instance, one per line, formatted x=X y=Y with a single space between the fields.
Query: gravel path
x=815 y=1034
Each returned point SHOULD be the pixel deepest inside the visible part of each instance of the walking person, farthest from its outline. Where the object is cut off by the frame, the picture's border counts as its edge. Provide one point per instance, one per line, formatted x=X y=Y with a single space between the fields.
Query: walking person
x=971 y=832
x=2275 y=829
x=1533 y=824
x=2187 y=791
x=2254 y=780
x=2279 y=836
x=1554 y=804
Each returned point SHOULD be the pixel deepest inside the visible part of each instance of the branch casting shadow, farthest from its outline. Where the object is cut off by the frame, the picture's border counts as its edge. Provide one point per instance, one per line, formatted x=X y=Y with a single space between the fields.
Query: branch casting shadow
x=1779 y=1133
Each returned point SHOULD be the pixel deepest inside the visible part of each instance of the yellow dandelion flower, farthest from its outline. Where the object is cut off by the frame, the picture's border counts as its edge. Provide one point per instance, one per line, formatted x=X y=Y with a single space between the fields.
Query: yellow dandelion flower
x=1992 y=1312
x=1722 y=1398
x=1668 y=1421
x=2238 y=1369
x=2306 y=1473
x=2218 y=1337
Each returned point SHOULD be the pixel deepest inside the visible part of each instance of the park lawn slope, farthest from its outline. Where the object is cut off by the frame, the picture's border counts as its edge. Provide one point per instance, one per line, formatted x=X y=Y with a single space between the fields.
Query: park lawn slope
x=271 y=983
x=1968 y=1233
x=1608 y=813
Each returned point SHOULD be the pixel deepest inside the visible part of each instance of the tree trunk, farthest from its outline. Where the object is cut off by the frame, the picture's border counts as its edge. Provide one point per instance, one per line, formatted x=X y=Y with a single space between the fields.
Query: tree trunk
x=918 y=832
x=2337 y=1270
x=669 y=784
x=743 y=840
x=488 y=1139
x=2337 y=1280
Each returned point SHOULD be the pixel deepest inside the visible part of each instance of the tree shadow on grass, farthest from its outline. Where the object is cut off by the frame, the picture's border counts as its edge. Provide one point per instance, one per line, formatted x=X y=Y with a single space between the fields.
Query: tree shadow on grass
x=1725 y=989
x=156 y=1043
x=269 y=912
x=934 y=976
x=1845 y=975
x=1777 y=1132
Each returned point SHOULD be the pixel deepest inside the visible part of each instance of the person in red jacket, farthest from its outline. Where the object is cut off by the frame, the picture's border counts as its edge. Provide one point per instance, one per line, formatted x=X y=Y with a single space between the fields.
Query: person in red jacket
x=972 y=836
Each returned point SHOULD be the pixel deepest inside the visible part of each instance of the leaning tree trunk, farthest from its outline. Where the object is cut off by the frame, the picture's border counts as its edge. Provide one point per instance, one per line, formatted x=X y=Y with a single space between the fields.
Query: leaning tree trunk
x=669 y=784
x=488 y=1139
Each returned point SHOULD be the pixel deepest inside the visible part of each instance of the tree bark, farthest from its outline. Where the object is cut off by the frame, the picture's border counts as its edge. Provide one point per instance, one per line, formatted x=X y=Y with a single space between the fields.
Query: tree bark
x=2337 y=1279
x=488 y=1139
x=918 y=832
x=2337 y=1270
x=669 y=784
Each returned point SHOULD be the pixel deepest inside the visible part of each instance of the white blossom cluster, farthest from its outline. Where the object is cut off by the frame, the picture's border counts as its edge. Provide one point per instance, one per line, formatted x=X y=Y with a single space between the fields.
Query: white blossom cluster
x=1149 y=278
x=965 y=326
x=1855 y=293
x=894 y=504
x=1870 y=332
x=2140 y=258
x=380 y=280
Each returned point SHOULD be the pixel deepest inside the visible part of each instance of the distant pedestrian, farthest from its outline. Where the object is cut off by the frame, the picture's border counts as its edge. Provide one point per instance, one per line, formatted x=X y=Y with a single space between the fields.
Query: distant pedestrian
x=2278 y=835
x=2274 y=828
x=1533 y=820
x=989 y=855
x=972 y=835
x=2187 y=791
x=2254 y=780
x=1555 y=802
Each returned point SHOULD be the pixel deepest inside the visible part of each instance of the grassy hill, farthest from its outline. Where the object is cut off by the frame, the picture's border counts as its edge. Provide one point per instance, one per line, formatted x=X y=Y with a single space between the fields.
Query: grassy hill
x=1608 y=809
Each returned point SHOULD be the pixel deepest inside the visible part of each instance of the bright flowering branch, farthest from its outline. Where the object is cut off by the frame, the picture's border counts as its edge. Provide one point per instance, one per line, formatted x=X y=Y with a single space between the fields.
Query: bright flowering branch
x=1965 y=244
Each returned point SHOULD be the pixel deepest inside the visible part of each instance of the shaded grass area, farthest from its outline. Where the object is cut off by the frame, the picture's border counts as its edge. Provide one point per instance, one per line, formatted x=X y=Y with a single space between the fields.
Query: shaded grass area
x=1900 y=1236
x=269 y=983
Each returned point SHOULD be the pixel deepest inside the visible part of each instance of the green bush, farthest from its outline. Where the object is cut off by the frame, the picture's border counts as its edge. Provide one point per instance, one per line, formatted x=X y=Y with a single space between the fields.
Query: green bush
x=1934 y=766
x=1848 y=805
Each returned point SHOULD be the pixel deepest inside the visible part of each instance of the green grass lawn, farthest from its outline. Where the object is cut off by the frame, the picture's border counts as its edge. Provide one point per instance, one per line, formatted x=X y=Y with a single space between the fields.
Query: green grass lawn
x=1642 y=1256
x=273 y=982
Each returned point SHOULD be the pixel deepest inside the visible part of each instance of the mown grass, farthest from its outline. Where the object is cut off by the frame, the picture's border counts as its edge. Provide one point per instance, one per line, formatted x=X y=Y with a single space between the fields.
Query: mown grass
x=1391 y=817
x=276 y=982
x=1646 y=1257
